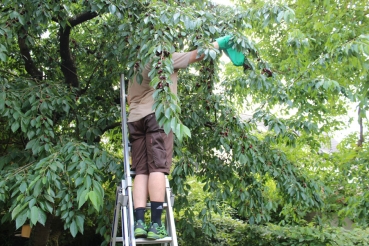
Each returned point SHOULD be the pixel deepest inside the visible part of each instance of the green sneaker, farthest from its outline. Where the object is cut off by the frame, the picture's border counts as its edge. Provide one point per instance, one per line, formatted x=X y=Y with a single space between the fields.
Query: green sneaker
x=140 y=229
x=156 y=232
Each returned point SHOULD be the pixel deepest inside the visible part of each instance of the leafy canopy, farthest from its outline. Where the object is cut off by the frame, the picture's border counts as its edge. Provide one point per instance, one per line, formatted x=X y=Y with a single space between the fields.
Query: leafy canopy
x=60 y=102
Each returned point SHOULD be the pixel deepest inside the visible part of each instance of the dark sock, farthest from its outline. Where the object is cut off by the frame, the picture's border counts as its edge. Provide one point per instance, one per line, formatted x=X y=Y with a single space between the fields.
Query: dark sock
x=140 y=214
x=156 y=211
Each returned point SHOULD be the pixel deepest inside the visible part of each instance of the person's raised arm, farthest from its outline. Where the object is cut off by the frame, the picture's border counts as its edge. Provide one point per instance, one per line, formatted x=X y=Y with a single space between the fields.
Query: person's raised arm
x=194 y=57
x=225 y=45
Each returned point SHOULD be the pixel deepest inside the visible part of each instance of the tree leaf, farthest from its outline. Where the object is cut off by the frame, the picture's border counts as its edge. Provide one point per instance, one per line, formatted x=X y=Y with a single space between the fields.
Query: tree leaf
x=176 y=16
x=21 y=219
x=212 y=54
x=34 y=215
x=212 y=30
x=15 y=126
x=73 y=228
x=37 y=187
x=42 y=217
x=44 y=108
x=186 y=131
x=94 y=199
x=19 y=208
x=80 y=221
x=3 y=56
x=82 y=198
x=23 y=187
x=112 y=8
x=167 y=126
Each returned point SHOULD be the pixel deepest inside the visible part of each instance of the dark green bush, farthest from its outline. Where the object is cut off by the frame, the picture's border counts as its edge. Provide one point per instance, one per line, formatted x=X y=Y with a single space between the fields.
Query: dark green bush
x=233 y=232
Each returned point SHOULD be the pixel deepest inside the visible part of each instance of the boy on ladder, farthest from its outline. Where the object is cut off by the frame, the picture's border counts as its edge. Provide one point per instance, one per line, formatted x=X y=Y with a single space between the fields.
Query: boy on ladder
x=151 y=147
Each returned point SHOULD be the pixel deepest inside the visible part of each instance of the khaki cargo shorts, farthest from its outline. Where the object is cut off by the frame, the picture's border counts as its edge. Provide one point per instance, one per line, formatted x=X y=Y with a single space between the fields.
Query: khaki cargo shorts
x=151 y=147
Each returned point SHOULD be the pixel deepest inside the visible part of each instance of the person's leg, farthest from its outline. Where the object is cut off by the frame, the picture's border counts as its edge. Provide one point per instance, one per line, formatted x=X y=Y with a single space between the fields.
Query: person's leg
x=157 y=193
x=137 y=138
x=159 y=153
x=140 y=190
x=157 y=186
x=140 y=193
x=140 y=184
x=139 y=201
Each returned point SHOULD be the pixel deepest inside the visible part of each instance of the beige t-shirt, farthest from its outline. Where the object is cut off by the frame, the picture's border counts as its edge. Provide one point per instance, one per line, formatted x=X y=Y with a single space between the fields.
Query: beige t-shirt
x=141 y=95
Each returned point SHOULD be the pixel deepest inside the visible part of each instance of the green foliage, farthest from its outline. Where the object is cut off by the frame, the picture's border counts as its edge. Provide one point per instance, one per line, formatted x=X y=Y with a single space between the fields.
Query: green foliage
x=351 y=193
x=234 y=232
x=59 y=184
x=60 y=113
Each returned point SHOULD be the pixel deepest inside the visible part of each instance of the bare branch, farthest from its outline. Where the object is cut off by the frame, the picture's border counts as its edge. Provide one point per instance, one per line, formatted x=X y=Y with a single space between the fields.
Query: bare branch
x=78 y=19
x=26 y=55
x=112 y=126
x=68 y=65
x=107 y=128
x=83 y=91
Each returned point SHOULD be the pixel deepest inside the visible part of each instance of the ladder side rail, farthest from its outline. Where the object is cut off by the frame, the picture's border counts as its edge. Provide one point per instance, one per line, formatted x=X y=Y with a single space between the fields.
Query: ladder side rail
x=131 y=219
x=124 y=214
x=170 y=215
x=115 y=219
x=127 y=167
x=128 y=219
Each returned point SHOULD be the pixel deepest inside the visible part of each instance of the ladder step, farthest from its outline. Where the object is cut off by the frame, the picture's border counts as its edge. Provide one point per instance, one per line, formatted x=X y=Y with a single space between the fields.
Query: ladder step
x=147 y=241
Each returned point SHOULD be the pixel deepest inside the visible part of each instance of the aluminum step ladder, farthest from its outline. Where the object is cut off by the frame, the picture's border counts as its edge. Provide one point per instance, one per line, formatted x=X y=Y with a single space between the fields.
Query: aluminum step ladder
x=123 y=211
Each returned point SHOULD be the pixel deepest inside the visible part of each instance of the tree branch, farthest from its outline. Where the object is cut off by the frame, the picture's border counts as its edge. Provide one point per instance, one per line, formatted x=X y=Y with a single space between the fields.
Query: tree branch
x=9 y=73
x=116 y=100
x=68 y=65
x=78 y=19
x=112 y=126
x=26 y=55
x=83 y=91
x=109 y=127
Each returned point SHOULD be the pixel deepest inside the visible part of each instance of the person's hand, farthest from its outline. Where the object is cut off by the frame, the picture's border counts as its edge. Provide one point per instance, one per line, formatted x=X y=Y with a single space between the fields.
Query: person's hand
x=235 y=56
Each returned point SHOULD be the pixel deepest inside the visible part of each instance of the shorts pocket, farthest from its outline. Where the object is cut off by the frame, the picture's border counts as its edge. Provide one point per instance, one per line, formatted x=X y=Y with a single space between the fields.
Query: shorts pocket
x=159 y=153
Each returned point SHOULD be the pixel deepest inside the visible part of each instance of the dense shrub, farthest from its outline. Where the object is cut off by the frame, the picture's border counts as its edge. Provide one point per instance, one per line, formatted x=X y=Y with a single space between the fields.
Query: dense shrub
x=233 y=232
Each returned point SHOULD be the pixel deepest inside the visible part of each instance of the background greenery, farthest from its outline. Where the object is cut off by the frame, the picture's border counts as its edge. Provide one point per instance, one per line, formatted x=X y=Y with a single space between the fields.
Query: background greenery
x=251 y=161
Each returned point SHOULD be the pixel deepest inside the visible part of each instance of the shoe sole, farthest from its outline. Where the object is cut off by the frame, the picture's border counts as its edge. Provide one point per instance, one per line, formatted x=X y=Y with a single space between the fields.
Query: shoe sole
x=154 y=236
x=140 y=234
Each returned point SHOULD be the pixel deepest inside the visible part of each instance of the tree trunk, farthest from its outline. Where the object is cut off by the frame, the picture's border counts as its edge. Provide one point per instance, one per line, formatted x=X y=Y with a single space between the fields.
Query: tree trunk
x=40 y=234
x=57 y=227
